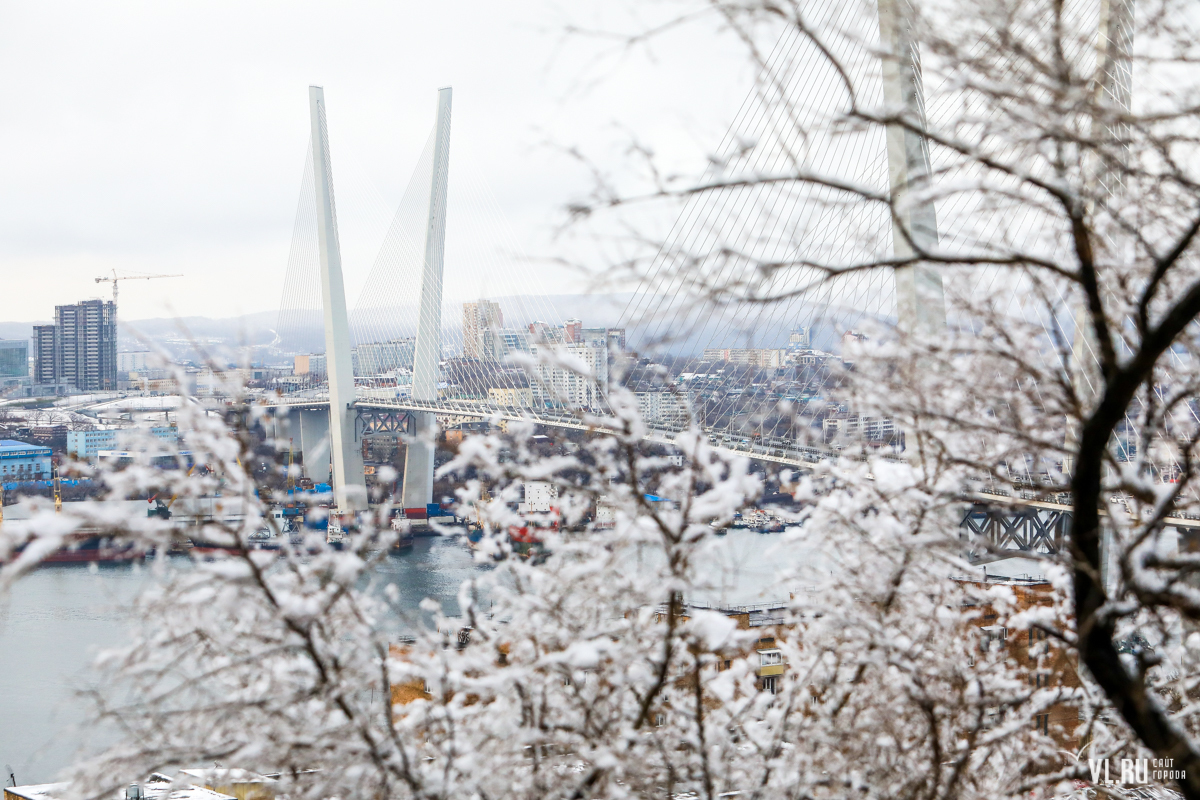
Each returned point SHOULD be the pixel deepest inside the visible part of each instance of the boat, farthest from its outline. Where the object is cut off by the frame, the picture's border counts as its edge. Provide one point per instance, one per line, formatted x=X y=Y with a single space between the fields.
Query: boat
x=91 y=548
x=759 y=521
x=404 y=534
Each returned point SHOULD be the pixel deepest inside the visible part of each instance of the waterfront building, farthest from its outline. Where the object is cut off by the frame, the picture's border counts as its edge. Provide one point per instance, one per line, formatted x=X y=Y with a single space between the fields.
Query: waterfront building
x=20 y=461
x=80 y=348
x=87 y=445
x=540 y=498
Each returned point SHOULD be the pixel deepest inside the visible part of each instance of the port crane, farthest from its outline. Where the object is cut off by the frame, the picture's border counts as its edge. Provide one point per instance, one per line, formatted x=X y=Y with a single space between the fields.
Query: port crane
x=114 y=278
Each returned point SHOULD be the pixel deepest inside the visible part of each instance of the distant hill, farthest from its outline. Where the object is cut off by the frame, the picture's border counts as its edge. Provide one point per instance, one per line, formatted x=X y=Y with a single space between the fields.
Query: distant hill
x=653 y=324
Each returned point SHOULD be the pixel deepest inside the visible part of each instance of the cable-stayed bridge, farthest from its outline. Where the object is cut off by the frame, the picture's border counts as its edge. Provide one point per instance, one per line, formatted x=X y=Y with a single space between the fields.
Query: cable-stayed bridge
x=477 y=374
x=746 y=373
x=731 y=369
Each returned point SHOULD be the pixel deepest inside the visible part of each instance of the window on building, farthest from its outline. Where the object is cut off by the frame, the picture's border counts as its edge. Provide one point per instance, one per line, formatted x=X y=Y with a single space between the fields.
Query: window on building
x=770 y=657
x=769 y=684
x=993 y=637
x=1041 y=724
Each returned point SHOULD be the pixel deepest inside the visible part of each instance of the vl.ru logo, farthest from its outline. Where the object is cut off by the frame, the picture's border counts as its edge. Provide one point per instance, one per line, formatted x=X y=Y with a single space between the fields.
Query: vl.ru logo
x=1135 y=771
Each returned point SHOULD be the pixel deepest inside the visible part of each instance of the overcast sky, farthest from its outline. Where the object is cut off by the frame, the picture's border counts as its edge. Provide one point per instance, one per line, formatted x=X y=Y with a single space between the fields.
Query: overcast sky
x=171 y=137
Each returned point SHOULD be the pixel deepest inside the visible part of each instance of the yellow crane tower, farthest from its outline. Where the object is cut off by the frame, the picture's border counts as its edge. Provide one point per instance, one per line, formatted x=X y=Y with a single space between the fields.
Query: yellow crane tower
x=115 y=278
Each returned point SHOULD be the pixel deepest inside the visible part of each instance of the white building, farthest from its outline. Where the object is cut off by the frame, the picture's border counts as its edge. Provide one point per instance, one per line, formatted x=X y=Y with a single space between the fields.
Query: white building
x=857 y=428
x=555 y=387
x=378 y=358
x=87 y=445
x=764 y=359
x=663 y=407
x=136 y=362
x=540 y=498
x=499 y=343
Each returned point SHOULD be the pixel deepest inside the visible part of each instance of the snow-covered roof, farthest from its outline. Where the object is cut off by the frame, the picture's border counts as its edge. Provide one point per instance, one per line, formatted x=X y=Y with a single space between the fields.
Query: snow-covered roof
x=157 y=787
x=37 y=791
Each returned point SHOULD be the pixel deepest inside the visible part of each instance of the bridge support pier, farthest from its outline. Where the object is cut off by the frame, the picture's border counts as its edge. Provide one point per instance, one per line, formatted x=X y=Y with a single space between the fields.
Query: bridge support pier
x=418 y=461
x=313 y=427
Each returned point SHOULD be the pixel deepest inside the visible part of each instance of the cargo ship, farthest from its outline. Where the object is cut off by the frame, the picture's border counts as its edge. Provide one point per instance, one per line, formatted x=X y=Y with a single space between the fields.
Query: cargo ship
x=91 y=548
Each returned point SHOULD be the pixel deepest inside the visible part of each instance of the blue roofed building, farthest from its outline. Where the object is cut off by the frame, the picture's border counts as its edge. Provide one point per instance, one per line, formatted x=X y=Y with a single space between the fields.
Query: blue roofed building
x=23 y=462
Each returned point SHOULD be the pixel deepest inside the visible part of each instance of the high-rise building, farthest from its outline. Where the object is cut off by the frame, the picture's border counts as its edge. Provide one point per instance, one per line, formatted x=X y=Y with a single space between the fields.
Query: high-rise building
x=500 y=343
x=800 y=339
x=14 y=358
x=135 y=361
x=574 y=331
x=80 y=348
x=611 y=338
x=478 y=319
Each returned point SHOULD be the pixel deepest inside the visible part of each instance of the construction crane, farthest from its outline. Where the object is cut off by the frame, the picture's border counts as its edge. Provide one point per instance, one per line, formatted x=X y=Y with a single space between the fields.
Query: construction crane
x=115 y=278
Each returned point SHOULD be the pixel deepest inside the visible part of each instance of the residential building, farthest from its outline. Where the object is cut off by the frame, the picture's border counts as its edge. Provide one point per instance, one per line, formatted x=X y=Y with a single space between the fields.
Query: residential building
x=138 y=361
x=20 y=461
x=1040 y=659
x=545 y=333
x=478 y=319
x=515 y=396
x=14 y=358
x=663 y=407
x=377 y=358
x=612 y=338
x=573 y=331
x=80 y=348
x=557 y=386
x=45 y=367
x=202 y=784
x=763 y=359
x=503 y=342
x=313 y=365
x=858 y=428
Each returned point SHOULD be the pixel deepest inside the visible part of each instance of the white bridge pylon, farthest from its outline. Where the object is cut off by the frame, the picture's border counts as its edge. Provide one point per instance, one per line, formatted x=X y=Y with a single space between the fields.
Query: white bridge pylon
x=345 y=449
x=418 y=458
x=349 y=483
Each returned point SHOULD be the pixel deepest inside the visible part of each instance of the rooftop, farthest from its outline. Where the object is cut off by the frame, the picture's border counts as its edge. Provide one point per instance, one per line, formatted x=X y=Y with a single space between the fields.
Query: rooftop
x=13 y=444
x=157 y=787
